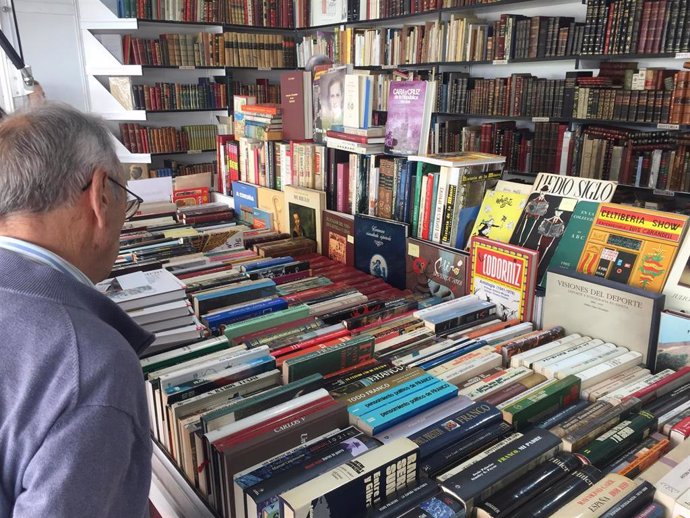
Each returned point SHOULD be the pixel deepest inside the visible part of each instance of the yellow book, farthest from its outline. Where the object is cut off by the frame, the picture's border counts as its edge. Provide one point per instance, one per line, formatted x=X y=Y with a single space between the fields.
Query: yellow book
x=632 y=246
x=498 y=215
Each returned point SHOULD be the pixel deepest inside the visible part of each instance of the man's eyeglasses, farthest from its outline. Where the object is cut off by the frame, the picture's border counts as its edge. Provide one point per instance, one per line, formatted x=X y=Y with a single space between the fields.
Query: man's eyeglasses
x=133 y=200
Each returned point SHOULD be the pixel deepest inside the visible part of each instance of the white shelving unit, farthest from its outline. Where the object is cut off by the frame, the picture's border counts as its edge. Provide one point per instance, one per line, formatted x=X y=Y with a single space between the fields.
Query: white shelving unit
x=101 y=36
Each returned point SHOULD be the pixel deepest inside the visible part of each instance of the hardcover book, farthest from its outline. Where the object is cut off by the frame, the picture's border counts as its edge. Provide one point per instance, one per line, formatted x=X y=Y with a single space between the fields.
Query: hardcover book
x=436 y=271
x=541 y=226
x=572 y=242
x=380 y=248
x=632 y=246
x=504 y=274
x=604 y=309
x=410 y=104
x=297 y=105
x=673 y=350
x=329 y=101
x=498 y=215
x=338 y=238
x=273 y=201
x=303 y=215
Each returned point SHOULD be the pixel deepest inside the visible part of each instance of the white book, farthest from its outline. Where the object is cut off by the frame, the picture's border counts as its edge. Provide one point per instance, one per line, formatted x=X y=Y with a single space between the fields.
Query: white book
x=461 y=467
x=575 y=348
x=610 y=384
x=169 y=355
x=575 y=362
x=489 y=385
x=265 y=415
x=469 y=369
x=526 y=358
x=664 y=418
x=563 y=167
x=447 y=305
x=607 y=369
x=142 y=289
x=452 y=348
x=172 y=323
x=673 y=485
x=206 y=367
x=462 y=334
x=437 y=212
x=178 y=336
x=617 y=396
x=461 y=360
x=223 y=353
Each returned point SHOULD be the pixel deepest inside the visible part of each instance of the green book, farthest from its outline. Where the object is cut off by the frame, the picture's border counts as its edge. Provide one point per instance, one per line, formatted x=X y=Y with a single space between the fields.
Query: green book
x=183 y=354
x=261 y=401
x=423 y=169
x=553 y=397
x=572 y=242
x=607 y=446
x=267 y=321
x=330 y=359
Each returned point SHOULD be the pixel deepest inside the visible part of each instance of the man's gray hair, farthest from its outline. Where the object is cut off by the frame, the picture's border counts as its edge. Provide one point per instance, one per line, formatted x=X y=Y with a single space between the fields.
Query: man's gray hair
x=48 y=154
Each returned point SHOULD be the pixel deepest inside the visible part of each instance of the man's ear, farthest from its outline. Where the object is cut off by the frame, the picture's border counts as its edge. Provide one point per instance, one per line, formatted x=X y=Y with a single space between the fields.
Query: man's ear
x=100 y=196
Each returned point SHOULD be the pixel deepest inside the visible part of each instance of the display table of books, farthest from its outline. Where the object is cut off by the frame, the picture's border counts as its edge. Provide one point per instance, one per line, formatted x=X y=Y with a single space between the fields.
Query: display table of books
x=286 y=383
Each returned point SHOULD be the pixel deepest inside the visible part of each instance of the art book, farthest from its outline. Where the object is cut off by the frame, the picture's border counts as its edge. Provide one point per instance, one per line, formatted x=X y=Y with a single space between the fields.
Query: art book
x=380 y=248
x=541 y=226
x=607 y=310
x=303 y=215
x=677 y=288
x=297 y=105
x=338 y=237
x=632 y=246
x=498 y=215
x=436 y=271
x=273 y=201
x=505 y=275
x=410 y=104
x=673 y=350
x=572 y=242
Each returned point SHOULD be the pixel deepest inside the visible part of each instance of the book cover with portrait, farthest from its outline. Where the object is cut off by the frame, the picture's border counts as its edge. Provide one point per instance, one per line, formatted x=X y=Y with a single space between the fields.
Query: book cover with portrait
x=380 y=248
x=303 y=215
x=328 y=99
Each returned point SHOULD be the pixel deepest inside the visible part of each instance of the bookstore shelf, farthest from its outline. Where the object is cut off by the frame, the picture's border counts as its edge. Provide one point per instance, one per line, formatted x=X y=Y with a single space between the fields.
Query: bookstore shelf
x=189 y=152
x=220 y=70
x=500 y=3
x=638 y=124
x=192 y=110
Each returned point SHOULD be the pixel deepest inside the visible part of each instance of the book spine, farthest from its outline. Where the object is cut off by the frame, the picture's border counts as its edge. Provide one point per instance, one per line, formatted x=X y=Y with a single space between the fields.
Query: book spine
x=554 y=397
x=455 y=428
x=633 y=502
x=369 y=404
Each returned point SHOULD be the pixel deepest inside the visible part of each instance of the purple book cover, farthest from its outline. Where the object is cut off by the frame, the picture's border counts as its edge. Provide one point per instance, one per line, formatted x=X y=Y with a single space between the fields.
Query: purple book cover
x=404 y=125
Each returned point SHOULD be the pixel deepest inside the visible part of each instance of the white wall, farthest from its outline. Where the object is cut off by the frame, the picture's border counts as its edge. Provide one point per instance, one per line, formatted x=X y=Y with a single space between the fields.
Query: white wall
x=50 y=36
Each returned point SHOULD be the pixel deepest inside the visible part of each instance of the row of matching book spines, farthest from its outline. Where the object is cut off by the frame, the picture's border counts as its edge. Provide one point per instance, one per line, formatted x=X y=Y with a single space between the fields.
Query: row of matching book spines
x=141 y=139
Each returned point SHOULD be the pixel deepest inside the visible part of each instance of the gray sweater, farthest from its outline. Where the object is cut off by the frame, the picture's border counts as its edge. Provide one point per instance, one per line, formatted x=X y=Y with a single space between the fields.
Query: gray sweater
x=74 y=437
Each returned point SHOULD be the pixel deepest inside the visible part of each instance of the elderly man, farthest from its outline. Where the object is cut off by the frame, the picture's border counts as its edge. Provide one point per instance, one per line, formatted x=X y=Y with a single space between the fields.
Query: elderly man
x=74 y=439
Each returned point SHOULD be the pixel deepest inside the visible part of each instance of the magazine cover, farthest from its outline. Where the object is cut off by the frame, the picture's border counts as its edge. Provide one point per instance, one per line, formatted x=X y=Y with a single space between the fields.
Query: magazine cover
x=498 y=215
x=380 y=248
x=409 y=117
x=542 y=224
x=436 y=271
x=503 y=274
x=632 y=246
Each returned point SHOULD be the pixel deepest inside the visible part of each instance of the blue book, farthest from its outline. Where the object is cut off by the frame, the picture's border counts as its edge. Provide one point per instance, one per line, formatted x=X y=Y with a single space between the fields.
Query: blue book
x=451 y=355
x=217 y=320
x=381 y=248
x=455 y=428
x=266 y=263
x=466 y=219
x=233 y=294
x=562 y=415
x=412 y=404
x=397 y=392
x=244 y=195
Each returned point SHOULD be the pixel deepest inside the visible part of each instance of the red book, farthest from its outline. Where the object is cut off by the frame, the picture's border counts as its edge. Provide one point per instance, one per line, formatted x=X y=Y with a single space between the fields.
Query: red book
x=263 y=109
x=426 y=217
x=306 y=350
x=662 y=386
x=311 y=343
x=295 y=107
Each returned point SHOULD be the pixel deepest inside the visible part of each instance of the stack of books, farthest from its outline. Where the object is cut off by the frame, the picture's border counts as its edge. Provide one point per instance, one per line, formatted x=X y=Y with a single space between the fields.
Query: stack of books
x=357 y=140
x=262 y=121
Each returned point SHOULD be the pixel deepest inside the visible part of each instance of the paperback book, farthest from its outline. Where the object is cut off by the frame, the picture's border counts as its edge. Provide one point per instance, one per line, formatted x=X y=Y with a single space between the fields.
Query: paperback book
x=504 y=274
x=380 y=248
x=338 y=239
x=410 y=104
x=498 y=215
x=436 y=271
